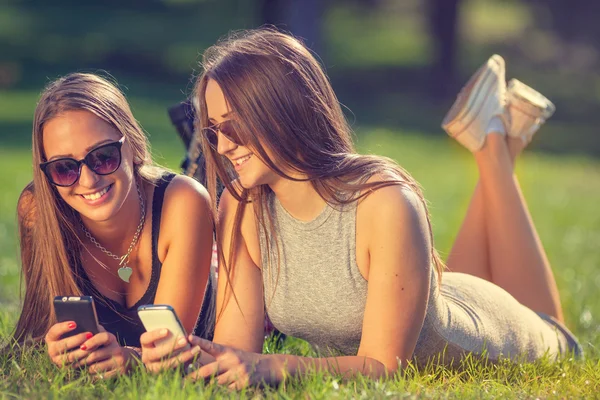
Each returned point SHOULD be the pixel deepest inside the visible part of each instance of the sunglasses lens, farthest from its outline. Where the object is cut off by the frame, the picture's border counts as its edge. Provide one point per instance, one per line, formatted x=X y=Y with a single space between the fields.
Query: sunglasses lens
x=104 y=160
x=211 y=136
x=229 y=129
x=63 y=172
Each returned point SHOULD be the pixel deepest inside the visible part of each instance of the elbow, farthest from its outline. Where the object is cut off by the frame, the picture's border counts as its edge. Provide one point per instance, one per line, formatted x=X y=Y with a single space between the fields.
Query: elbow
x=378 y=369
x=390 y=366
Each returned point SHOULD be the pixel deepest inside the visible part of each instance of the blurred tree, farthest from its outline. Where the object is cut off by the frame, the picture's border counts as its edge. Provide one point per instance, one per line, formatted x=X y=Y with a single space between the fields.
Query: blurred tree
x=302 y=18
x=443 y=18
x=575 y=22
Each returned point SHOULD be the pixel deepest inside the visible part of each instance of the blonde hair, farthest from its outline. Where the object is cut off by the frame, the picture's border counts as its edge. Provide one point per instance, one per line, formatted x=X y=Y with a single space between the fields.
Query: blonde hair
x=50 y=247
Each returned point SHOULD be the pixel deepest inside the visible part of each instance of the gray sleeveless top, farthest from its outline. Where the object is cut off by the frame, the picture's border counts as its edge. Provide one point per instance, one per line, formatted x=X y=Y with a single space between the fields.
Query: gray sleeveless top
x=314 y=290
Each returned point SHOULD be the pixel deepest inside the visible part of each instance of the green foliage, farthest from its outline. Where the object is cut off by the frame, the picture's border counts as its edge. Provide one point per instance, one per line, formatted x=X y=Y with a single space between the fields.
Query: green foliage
x=378 y=61
x=562 y=192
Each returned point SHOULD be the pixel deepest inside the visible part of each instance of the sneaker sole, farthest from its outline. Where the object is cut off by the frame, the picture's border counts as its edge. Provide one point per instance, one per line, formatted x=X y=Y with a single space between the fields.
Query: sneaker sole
x=482 y=86
x=529 y=102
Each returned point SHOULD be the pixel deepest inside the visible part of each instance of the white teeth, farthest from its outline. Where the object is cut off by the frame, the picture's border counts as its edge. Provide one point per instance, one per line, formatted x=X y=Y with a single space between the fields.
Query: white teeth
x=242 y=160
x=97 y=195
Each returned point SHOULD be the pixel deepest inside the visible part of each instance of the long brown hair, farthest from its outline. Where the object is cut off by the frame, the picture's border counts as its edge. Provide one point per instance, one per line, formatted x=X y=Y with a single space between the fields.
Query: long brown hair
x=283 y=99
x=50 y=247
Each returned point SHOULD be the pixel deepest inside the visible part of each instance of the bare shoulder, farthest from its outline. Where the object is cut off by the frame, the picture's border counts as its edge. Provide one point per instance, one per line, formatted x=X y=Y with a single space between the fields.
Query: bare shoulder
x=26 y=208
x=228 y=205
x=186 y=192
x=396 y=202
x=186 y=207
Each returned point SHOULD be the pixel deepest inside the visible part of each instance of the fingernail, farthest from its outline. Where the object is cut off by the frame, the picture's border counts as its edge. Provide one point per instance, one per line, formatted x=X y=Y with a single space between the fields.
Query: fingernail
x=181 y=341
x=72 y=325
x=89 y=335
x=83 y=347
x=195 y=350
x=163 y=332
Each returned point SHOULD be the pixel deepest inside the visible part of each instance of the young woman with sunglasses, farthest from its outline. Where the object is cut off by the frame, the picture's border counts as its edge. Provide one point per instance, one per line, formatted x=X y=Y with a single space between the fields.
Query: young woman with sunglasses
x=101 y=219
x=337 y=247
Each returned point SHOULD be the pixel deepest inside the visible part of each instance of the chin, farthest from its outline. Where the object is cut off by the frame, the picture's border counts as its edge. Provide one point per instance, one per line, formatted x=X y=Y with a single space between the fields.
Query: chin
x=249 y=182
x=99 y=214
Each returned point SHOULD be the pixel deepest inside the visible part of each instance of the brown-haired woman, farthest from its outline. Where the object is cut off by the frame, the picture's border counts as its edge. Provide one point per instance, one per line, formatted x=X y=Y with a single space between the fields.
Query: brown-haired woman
x=100 y=219
x=337 y=247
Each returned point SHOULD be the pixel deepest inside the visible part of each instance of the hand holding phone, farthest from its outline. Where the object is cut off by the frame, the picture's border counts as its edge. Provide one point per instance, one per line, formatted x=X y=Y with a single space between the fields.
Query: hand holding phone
x=162 y=316
x=79 y=309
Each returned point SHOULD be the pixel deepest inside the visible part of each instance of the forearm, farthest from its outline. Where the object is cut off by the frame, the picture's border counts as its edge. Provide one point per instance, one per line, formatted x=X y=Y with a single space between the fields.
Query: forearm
x=348 y=366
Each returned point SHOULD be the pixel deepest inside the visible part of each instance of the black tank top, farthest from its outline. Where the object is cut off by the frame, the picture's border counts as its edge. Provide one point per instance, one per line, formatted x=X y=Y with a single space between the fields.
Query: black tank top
x=123 y=321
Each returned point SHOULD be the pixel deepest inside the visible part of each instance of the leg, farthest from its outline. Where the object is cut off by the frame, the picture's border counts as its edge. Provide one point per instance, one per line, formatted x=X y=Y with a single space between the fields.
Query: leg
x=518 y=262
x=469 y=254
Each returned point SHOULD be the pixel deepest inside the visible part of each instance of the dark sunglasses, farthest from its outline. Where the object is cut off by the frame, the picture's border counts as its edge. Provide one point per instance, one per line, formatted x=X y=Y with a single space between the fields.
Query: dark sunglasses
x=228 y=128
x=103 y=160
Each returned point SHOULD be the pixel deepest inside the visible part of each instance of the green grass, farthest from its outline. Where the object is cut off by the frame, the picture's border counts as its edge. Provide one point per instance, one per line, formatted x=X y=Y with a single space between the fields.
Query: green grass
x=563 y=194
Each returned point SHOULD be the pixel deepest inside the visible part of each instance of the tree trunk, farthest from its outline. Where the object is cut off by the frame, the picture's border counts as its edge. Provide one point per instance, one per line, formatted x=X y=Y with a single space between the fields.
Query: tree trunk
x=443 y=24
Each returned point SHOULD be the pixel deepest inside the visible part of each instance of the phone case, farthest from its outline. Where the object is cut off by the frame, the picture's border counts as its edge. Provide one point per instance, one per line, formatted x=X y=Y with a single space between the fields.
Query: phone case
x=158 y=316
x=80 y=309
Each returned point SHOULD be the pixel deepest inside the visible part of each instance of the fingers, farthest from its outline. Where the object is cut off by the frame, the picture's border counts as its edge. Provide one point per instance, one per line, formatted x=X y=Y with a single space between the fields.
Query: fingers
x=163 y=350
x=181 y=358
x=211 y=348
x=204 y=357
x=149 y=339
x=98 y=340
x=107 y=367
x=59 y=350
x=57 y=330
x=94 y=357
x=235 y=379
x=235 y=376
x=207 y=371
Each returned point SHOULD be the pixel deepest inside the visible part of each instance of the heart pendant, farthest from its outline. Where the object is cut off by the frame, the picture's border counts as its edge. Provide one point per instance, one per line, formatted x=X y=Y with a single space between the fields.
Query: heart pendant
x=125 y=273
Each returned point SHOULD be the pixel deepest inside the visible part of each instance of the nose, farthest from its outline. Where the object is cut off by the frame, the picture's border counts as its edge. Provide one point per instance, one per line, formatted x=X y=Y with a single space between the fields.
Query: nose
x=224 y=145
x=87 y=177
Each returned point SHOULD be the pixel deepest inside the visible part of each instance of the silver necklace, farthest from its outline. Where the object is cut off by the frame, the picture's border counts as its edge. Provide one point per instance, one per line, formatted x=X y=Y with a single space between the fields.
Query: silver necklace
x=104 y=266
x=124 y=270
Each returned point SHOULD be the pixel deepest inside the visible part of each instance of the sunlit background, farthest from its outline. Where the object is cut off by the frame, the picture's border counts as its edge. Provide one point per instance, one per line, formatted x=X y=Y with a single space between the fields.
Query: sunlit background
x=395 y=64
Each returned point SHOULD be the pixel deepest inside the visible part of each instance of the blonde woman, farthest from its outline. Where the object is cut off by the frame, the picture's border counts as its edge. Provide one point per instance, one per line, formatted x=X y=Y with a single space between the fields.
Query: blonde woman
x=100 y=219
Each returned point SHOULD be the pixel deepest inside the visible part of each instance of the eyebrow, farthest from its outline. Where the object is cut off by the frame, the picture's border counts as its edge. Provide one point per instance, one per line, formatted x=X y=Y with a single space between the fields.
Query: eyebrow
x=86 y=150
x=227 y=114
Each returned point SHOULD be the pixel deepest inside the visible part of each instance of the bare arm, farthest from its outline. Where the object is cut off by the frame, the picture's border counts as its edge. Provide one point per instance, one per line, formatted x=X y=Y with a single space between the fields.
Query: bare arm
x=240 y=312
x=187 y=226
x=398 y=288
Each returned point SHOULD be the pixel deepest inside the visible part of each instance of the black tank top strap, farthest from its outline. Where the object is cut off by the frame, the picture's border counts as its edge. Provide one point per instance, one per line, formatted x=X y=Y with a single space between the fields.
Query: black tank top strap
x=157 y=204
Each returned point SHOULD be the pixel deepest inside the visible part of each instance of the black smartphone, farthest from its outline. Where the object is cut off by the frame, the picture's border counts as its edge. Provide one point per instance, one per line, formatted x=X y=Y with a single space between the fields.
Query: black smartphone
x=79 y=309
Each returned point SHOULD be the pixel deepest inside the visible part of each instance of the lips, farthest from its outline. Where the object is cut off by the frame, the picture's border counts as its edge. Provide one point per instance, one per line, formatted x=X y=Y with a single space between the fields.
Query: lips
x=97 y=195
x=240 y=161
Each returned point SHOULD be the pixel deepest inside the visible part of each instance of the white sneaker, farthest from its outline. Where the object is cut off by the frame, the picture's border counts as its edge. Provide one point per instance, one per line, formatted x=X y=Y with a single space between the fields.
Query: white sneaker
x=482 y=98
x=527 y=110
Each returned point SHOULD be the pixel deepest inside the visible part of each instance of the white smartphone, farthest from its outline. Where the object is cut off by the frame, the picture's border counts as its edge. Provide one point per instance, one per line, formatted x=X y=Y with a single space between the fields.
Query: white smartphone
x=159 y=316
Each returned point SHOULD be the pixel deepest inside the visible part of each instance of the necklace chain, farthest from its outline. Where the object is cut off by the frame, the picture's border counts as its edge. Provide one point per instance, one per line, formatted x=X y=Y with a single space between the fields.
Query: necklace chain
x=136 y=235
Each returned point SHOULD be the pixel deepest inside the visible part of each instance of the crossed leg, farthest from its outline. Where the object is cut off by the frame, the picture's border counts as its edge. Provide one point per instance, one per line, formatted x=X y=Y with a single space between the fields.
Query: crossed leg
x=498 y=240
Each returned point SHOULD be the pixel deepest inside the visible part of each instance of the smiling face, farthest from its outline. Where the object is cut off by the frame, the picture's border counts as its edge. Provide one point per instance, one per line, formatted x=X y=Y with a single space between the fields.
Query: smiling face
x=251 y=170
x=74 y=134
